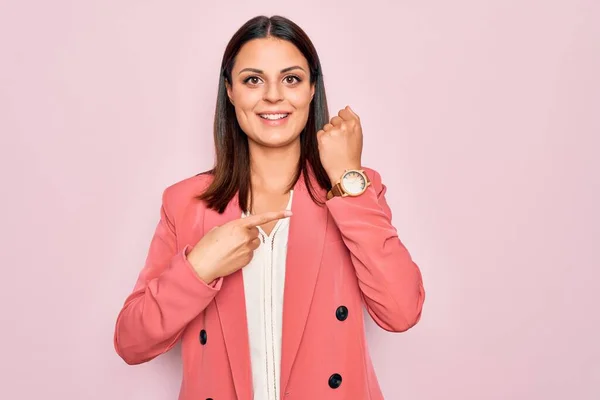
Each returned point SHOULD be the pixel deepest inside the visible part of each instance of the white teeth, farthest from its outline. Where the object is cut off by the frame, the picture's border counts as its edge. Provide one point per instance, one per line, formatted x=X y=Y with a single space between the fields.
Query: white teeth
x=273 y=117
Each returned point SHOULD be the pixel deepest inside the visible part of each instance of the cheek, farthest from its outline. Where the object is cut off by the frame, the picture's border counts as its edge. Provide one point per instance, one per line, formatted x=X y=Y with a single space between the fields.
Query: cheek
x=245 y=99
x=245 y=104
x=300 y=99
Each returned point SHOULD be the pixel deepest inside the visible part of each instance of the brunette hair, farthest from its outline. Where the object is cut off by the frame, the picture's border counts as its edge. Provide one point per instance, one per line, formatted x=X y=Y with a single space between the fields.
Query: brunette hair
x=231 y=169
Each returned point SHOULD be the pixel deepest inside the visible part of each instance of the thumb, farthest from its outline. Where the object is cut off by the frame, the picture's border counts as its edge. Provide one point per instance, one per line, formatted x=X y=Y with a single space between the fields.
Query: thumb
x=352 y=112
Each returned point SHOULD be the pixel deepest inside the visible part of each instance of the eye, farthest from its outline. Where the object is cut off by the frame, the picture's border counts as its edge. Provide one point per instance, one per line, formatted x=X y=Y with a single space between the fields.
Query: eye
x=292 y=79
x=252 y=80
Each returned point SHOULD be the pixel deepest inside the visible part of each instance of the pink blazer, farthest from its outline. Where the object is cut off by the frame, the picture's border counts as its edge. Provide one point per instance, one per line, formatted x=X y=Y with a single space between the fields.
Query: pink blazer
x=340 y=257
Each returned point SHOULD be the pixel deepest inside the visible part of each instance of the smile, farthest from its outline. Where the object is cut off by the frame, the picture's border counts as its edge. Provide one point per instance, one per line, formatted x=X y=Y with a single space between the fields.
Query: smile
x=273 y=117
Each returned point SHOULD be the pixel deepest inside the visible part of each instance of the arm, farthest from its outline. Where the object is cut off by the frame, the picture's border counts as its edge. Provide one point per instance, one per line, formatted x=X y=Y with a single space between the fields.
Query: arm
x=167 y=296
x=389 y=280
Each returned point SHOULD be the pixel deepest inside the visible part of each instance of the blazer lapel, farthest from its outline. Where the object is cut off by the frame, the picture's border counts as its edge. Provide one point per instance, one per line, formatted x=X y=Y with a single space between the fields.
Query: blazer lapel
x=231 y=308
x=305 y=247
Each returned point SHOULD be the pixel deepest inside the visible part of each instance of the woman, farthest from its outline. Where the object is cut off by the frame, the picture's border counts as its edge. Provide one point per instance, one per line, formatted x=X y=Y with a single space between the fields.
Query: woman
x=269 y=305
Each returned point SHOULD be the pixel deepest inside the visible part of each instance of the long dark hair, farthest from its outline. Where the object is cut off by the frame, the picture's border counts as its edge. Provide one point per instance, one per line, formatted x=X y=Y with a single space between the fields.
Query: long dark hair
x=231 y=170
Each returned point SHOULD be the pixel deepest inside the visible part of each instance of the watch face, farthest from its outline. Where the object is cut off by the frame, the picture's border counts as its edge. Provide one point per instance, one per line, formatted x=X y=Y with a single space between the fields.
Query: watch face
x=354 y=183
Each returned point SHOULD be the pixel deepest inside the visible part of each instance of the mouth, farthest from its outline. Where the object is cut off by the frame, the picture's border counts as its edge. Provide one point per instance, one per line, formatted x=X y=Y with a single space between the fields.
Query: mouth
x=274 y=116
x=277 y=118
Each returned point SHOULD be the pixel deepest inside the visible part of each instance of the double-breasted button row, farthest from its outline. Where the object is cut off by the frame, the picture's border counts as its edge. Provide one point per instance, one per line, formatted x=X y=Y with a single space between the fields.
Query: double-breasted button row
x=335 y=380
x=203 y=338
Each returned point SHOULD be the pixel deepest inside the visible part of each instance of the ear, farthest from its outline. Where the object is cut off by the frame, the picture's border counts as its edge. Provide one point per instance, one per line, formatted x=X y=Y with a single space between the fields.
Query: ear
x=228 y=86
x=312 y=91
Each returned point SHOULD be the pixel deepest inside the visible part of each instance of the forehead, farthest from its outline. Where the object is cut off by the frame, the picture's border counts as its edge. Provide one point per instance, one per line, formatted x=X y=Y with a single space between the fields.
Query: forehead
x=269 y=55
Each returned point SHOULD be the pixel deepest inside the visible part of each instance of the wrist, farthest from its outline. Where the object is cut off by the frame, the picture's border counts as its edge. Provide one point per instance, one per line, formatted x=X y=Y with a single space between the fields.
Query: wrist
x=202 y=270
x=205 y=276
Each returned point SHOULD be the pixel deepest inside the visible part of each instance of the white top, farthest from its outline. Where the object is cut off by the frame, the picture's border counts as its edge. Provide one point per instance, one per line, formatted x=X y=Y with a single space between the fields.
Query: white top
x=264 y=279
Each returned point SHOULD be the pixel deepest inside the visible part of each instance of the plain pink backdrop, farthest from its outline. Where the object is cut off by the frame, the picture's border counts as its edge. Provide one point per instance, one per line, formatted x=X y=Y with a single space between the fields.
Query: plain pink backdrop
x=483 y=118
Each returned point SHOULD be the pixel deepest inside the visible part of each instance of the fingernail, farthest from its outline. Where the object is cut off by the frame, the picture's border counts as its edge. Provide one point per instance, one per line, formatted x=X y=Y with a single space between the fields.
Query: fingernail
x=287 y=213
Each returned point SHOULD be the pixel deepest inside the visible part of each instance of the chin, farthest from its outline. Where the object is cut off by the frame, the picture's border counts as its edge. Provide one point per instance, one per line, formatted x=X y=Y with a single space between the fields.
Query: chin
x=279 y=141
x=274 y=138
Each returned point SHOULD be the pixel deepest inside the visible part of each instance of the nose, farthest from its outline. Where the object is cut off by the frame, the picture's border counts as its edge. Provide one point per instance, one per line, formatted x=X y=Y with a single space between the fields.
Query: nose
x=273 y=93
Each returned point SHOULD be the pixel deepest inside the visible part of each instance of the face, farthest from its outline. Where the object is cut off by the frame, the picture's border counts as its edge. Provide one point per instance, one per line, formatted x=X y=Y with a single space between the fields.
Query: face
x=271 y=91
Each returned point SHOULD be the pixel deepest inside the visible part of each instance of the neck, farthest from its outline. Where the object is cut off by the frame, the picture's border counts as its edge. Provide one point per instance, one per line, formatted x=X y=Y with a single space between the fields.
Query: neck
x=272 y=169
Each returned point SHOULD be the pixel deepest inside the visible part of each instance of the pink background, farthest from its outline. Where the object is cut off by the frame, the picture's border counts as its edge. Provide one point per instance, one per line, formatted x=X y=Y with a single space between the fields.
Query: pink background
x=482 y=116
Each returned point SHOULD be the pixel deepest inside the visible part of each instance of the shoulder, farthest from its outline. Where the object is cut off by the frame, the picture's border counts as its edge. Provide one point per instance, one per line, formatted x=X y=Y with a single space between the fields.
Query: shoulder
x=180 y=194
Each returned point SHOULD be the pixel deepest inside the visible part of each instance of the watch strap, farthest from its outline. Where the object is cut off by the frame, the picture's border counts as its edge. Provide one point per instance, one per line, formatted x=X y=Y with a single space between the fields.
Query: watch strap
x=336 y=190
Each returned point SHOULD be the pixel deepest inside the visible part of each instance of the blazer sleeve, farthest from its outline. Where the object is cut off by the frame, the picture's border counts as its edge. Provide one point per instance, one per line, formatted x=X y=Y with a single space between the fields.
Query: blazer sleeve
x=390 y=282
x=167 y=296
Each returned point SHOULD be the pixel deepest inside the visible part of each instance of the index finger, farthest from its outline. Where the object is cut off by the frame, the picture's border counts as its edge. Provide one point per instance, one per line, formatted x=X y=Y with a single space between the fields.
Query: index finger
x=260 y=219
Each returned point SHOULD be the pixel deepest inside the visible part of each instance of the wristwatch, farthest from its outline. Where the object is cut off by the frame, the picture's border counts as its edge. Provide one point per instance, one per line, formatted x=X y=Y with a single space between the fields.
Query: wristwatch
x=353 y=183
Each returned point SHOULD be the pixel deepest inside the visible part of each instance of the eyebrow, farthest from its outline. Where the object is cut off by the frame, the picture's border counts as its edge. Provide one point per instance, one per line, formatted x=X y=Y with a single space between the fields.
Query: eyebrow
x=283 y=71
